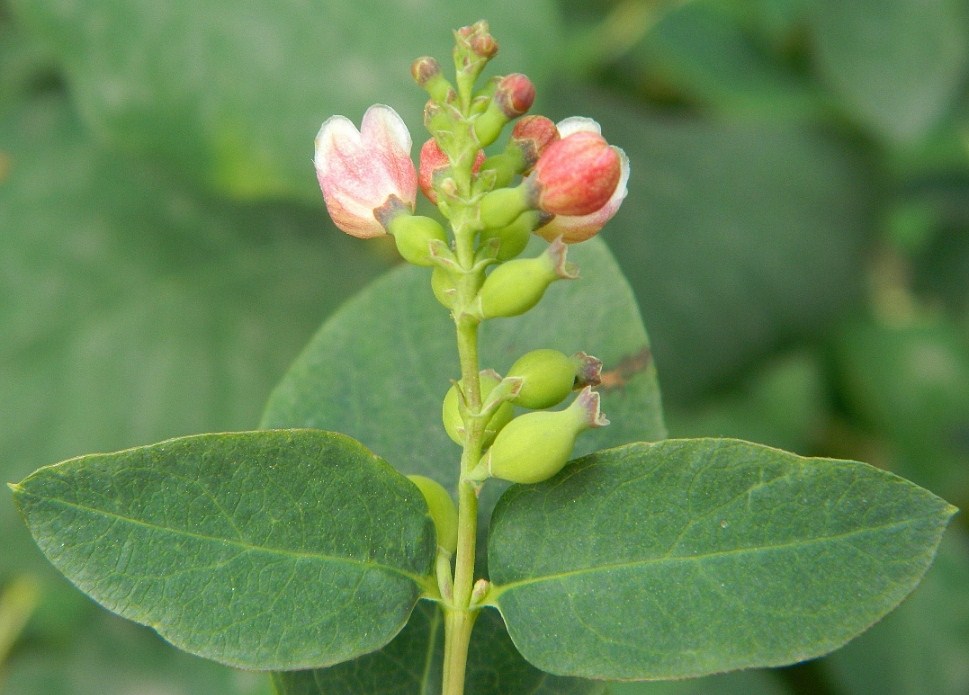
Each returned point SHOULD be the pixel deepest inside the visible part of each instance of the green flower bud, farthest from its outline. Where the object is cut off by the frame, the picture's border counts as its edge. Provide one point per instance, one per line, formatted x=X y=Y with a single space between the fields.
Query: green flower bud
x=451 y=411
x=547 y=378
x=516 y=286
x=513 y=238
x=535 y=446
x=414 y=234
x=501 y=207
x=442 y=510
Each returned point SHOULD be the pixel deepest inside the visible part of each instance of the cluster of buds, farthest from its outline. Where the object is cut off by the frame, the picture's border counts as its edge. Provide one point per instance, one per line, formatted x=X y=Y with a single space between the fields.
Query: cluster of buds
x=561 y=182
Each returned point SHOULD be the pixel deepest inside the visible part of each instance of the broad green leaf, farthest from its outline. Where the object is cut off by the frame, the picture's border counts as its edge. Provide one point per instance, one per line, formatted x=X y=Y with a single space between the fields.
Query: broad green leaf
x=233 y=94
x=921 y=647
x=279 y=549
x=725 y=233
x=411 y=665
x=690 y=557
x=897 y=66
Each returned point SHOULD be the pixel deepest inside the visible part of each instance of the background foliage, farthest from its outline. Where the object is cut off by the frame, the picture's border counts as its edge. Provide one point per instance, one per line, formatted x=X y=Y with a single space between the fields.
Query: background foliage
x=797 y=235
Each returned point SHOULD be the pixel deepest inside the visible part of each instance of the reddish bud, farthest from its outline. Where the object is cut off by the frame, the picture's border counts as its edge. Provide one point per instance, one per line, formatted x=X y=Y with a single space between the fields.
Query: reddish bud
x=514 y=95
x=478 y=40
x=576 y=175
x=532 y=135
x=433 y=164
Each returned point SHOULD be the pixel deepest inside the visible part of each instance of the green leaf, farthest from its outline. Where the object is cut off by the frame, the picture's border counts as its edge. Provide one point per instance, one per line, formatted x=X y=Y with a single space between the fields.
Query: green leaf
x=281 y=549
x=752 y=682
x=411 y=665
x=689 y=557
x=897 y=66
x=233 y=96
x=920 y=648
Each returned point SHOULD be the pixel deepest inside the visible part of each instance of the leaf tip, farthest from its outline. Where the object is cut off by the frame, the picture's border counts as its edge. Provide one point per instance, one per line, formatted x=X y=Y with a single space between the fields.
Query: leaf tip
x=15 y=487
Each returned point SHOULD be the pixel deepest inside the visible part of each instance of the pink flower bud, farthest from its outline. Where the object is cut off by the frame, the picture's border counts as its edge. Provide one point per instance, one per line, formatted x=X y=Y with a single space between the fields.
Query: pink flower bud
x=514 y=95
x=573 y=228
x=532 y=135
x=576 y=175
x=360 y=171
x=434 y=163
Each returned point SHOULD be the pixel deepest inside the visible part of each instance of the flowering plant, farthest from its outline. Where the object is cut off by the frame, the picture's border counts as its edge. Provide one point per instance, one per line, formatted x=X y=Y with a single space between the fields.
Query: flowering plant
x=298 y=550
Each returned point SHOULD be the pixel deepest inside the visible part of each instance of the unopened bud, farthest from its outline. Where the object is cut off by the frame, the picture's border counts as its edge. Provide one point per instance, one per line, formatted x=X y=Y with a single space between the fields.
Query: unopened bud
x=547 y=378
x=501 y=207
x=516 y=286
x=512 y=239
x=576 y=175
x=414 y=235
x=514 y=95
x=453 y=406
x=435 y=165
x=441 y=508
x=536 y=446
x=426 y=71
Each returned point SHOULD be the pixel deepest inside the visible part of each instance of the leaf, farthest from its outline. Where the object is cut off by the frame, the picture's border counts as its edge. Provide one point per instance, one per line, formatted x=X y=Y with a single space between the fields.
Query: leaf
x=921 y=647
x=411 y=665
x=234 y=95
x=897 y=66
x=752 y=682
x=690 y=557
x=262 y=550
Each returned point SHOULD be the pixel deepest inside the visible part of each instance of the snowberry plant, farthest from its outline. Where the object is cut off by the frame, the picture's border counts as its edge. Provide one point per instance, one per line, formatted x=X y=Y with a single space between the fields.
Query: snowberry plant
x=435 y=503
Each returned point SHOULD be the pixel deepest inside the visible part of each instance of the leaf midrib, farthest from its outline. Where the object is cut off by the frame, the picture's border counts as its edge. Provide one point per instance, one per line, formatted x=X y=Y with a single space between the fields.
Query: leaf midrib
x=246 y=546
x=499 y=589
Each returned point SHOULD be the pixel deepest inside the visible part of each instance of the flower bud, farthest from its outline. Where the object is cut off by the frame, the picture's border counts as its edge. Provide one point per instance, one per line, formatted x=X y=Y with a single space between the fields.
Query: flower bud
x=435 y=165
x=426 y=72
x=547 y=378
x=529 y=138
x=575 y=228
x=443 y=513
x=516 y=286
x=477 y=39
x=513 y=238
x=501 y=207
x=514 y=95
x=576 y=175
x=360 y=171
x=413 y=235
x=451 y=410
x=535 y=446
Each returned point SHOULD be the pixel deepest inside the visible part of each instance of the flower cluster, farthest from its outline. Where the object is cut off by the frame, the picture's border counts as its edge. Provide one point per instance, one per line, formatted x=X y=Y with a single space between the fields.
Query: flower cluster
x=561 y=182
x=572 y=178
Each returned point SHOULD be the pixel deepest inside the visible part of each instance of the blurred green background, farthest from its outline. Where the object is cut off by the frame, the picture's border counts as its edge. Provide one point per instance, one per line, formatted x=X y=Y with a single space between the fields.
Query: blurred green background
x=796 y=231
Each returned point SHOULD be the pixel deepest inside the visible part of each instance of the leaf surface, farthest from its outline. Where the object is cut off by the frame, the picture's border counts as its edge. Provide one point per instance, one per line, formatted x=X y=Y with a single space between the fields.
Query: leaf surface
x=689 y=557
x=280 y=549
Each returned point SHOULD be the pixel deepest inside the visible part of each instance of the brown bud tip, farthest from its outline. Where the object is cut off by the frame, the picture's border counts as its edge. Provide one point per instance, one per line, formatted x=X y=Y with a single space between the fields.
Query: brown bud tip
x=515 y=94
x=532 y=134
x=477 y=38
x=423 y=69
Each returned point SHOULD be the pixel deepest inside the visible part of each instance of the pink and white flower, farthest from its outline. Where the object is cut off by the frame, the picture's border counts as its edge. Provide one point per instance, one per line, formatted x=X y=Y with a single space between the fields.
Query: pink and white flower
x=364 y=171
x=586 y=181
